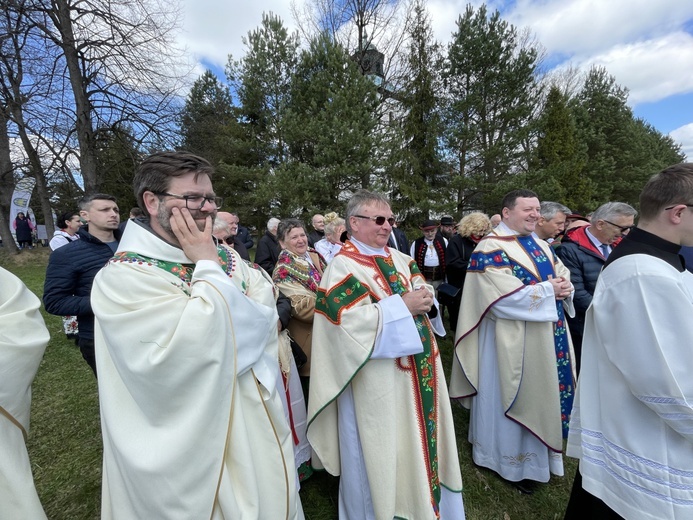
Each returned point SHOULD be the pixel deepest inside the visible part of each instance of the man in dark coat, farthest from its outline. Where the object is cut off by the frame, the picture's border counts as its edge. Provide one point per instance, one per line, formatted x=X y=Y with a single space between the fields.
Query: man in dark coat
x=584 y=251
x=268 y=247
x=72 y=268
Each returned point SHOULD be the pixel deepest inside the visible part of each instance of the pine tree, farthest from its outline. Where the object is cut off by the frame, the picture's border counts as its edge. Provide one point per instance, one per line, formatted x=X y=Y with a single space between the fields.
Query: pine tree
x=330 y=130
x=417 y=171
x=492 y=92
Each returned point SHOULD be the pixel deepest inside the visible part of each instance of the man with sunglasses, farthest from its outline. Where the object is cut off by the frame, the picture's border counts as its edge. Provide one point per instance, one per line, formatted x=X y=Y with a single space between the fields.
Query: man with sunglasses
x=186 y=348
x=632 y=423
x=379 y=412
x=584 y=251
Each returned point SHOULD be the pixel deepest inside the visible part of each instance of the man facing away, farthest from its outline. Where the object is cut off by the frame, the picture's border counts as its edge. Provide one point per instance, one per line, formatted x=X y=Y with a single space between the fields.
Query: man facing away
x=584 y=251
x=186 y=338
x=632 y=424
x=72 y=268
x=513 y=357
x=379 y=412
x=23 y=339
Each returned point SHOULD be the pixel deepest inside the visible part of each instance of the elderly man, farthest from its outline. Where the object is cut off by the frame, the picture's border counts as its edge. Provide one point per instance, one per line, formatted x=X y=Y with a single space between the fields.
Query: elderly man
x=232 y=239
x=513 y=358
x=72 y=268
x=268 y=247
x=23 y=339
x=379 y=412
x=584 y=251
x=318 y=233
x=186 y=338
x=632 y=424
x=551 y=221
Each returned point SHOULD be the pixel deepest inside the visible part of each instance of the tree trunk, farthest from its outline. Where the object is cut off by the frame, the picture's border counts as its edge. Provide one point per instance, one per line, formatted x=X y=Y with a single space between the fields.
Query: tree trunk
x=6 y=187
x=84 y=125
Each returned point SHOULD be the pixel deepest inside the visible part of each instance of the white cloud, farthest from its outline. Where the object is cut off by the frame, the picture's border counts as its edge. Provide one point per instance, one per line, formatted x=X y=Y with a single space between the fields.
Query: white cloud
x=581 y=27
x=684 y=136
x=652 y=70
x=213 y=29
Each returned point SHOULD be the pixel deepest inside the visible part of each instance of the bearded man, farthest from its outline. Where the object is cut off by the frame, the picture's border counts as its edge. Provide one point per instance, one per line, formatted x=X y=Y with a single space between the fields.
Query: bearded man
x=193 y=425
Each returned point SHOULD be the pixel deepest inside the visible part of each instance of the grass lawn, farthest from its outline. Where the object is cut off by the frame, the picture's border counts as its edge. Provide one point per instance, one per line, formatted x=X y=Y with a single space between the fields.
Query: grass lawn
x=65 y=440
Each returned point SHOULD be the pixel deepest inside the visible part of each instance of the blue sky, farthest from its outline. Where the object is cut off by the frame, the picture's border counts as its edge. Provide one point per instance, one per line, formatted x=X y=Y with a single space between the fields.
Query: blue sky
x=647 y=45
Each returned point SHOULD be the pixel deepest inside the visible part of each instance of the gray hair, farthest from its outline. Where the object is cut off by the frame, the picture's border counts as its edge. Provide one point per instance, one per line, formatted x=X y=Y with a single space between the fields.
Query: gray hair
x=287 y=225
x=273 y=223
x=221 y=225
x=613 y=209
x=360 y=199
x=550 y=209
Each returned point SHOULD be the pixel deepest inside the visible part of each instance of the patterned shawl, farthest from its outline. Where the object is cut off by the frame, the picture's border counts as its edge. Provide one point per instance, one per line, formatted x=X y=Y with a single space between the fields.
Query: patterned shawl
x=293 y=268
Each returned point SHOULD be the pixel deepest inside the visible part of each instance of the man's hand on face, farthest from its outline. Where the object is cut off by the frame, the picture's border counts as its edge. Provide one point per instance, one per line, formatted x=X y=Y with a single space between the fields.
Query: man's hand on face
x=197 y=245
x=419 y=301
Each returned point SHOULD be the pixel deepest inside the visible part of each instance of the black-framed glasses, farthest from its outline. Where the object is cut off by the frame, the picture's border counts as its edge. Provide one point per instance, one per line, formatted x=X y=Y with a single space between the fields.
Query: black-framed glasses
x=197 y=201
x=379 y=220
x=682 y=203
x=622 y=229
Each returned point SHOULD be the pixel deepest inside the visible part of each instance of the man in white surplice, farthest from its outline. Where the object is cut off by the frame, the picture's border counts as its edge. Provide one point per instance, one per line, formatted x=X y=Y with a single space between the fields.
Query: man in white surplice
x=513 y=355
x=632 y=424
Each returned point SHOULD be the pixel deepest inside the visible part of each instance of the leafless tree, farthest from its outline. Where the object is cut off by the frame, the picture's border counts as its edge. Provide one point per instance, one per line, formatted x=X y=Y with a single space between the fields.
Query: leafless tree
x=120 y=64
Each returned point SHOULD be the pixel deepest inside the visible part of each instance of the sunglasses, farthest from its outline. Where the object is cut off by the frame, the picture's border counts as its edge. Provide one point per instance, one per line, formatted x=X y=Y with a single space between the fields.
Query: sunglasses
x=379 y=220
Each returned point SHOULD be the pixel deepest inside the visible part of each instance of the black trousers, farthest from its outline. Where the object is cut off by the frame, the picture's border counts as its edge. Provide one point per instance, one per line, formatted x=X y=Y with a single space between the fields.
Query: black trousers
x=582 y=505
x=86 y=347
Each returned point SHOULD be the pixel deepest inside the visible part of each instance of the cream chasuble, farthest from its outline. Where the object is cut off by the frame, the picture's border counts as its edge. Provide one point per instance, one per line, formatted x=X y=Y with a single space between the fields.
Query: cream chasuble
x=23 y=339
x=513 y=356
x=193 y=425
x=402 y=429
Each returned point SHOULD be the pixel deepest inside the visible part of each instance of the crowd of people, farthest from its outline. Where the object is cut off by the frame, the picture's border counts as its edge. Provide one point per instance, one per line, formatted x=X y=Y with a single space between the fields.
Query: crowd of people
x=224 y=383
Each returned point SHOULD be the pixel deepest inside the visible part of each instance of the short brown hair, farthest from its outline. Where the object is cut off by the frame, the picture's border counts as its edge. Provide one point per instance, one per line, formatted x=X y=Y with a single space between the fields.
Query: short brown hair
x=671 y=186
x=510 y=199
x=156 y=171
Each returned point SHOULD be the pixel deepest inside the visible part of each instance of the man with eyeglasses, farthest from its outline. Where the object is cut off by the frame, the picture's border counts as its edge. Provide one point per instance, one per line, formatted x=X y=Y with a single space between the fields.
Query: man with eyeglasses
x=379 y=412
x=632 y=423
x=513 y=358
x=186 y=339
x=584 y=251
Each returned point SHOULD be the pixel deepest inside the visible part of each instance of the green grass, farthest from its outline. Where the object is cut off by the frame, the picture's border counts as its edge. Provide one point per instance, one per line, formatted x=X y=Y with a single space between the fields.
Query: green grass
x=65 y=440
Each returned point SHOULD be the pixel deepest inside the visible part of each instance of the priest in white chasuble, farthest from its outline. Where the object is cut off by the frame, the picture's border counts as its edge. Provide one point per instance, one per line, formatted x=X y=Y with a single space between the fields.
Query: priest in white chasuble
x=23 y=339
x=186 y=347
x=513 y=354
x=379 y=413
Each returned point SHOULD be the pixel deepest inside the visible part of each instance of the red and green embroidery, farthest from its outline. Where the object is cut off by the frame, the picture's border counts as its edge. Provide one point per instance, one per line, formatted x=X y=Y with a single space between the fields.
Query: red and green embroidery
x=184 y=272
x=423 y=370
x=341 y=297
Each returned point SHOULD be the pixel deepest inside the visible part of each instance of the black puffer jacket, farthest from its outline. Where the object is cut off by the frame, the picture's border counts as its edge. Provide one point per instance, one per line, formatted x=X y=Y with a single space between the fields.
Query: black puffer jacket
x=69 y=277
x=585 y=262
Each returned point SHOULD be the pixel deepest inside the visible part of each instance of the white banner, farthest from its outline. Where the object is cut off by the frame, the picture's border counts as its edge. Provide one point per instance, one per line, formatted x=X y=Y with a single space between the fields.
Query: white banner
x=21 y=197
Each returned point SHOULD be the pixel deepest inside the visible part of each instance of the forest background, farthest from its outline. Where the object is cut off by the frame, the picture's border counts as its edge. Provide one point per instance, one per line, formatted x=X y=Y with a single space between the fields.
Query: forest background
x=360 y=96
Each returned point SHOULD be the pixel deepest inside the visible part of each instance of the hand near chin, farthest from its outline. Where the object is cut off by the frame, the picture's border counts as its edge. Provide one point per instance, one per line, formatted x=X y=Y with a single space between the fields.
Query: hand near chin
x=196 y=244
